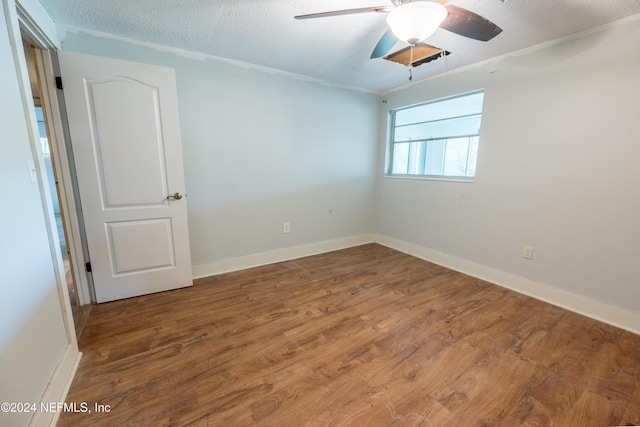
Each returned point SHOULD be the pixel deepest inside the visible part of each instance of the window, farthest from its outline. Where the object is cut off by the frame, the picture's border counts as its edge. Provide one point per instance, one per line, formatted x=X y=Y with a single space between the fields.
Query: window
x=438 y=139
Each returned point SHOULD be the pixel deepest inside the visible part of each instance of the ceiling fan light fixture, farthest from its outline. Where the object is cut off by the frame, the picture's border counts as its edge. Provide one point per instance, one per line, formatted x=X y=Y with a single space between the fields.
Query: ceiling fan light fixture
x=415 y=21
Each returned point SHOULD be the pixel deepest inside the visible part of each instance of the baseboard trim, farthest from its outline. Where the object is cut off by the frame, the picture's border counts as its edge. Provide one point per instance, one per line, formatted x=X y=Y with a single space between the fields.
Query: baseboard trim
x=278 y=255
x=614 y=316
x=58 y=387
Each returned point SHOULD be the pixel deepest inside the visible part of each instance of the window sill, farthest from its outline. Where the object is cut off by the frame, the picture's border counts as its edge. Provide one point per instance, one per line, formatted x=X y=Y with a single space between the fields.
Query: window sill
x=433 y=178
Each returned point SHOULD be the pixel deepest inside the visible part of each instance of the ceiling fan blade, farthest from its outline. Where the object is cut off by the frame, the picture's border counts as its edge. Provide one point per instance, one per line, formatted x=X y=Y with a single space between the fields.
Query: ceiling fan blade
x=469 y=24
x=345 y=12
x=387 y=41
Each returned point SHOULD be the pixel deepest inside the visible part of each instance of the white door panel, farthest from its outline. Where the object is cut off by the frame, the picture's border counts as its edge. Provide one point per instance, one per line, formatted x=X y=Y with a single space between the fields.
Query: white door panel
x=123 y=119
x=141 y=172
x=139 y=246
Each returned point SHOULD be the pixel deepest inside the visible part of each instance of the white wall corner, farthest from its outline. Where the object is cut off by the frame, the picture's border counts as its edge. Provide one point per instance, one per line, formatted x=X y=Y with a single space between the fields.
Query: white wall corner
x=57 y=389
x=614 y=316
x=278 y=255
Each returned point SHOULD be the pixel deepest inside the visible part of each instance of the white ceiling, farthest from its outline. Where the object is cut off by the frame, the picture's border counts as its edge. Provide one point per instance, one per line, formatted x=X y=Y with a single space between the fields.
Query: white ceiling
x=333 y=49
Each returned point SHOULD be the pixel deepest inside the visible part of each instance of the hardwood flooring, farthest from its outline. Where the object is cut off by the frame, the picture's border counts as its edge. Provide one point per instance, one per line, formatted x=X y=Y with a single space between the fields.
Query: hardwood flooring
x=365 y=336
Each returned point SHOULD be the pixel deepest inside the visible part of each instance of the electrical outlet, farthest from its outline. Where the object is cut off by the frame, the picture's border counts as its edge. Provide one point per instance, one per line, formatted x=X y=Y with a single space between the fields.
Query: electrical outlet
x=527 y=252
x=286 y=227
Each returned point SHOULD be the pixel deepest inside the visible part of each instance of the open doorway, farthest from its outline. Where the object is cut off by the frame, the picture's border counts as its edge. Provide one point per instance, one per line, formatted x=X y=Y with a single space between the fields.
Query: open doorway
x=80 y=310
x=57 y=211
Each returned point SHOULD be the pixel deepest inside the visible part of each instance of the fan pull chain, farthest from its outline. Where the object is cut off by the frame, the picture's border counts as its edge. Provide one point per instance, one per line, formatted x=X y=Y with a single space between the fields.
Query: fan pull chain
x=411 y=63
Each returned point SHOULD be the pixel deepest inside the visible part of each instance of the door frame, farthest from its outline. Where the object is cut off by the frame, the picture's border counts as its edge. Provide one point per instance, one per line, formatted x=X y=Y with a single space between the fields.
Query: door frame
x=28 y=18
x=57 y=128
x=29 y=29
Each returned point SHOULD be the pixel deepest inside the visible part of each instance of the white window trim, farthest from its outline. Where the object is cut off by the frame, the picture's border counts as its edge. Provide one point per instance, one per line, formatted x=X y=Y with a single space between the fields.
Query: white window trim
x=388 y=165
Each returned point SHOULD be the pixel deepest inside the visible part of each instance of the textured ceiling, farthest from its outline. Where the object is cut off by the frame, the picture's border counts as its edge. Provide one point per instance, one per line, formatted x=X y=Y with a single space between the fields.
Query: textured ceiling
x=334 y=49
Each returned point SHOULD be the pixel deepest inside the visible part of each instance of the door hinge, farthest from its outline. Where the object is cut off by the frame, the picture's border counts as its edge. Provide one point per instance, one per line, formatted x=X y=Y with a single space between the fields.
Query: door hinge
x=59 y=82
x=87 y=266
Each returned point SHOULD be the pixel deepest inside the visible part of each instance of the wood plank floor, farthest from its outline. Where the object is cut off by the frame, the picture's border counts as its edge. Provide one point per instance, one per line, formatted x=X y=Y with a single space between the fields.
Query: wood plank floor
x=365 y=336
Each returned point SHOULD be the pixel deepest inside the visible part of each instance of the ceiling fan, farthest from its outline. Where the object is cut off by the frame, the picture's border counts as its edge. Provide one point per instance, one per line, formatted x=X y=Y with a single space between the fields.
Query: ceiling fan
x=414 y=20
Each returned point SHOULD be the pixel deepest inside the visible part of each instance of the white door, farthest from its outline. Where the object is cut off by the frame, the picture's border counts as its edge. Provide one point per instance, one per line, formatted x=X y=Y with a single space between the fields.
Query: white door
x=123 y=118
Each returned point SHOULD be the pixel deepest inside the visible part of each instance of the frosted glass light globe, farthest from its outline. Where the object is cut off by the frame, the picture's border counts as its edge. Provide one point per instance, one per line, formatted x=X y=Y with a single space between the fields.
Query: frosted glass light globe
x=415 y=21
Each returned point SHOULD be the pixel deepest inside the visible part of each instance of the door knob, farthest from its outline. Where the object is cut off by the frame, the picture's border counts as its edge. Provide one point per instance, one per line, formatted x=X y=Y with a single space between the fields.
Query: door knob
x=174 y=196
